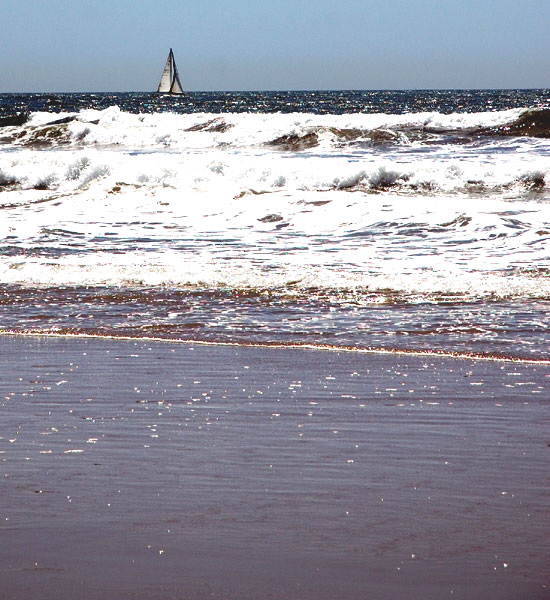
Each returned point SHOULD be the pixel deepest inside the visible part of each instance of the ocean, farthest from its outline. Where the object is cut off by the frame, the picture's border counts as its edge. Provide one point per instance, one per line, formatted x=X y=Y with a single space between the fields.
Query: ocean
x=410 y=221
x=248 y=345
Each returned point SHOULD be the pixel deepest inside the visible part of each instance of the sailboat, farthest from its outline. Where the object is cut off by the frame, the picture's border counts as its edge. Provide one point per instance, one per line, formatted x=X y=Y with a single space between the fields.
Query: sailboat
x=170 y=80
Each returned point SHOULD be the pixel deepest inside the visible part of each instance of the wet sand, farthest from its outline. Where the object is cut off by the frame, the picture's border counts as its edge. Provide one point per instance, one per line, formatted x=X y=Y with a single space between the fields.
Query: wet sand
x=148 y=470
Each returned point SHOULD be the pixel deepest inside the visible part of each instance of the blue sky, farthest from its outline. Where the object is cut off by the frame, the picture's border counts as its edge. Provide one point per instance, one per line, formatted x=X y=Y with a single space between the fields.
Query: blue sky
x=121 y=45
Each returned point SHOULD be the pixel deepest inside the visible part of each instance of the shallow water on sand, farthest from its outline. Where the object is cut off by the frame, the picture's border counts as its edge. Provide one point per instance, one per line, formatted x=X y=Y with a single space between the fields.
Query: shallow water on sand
x=140 y=469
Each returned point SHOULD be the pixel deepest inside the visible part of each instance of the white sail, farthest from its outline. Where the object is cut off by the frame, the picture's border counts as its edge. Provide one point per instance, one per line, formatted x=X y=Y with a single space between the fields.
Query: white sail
x=170 y=82
x=175 y=87
x=166 y=78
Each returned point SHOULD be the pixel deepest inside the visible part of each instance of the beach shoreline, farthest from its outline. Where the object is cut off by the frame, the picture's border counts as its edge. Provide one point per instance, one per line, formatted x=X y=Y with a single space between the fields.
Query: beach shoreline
x=307 y=346
x=140 y=469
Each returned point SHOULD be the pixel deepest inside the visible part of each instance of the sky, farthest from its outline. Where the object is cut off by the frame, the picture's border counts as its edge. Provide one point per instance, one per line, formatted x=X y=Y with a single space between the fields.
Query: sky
x=121 y=45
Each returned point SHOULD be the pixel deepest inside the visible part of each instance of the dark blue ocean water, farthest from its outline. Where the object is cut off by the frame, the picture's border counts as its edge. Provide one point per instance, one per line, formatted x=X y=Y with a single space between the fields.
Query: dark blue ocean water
x=315 y=102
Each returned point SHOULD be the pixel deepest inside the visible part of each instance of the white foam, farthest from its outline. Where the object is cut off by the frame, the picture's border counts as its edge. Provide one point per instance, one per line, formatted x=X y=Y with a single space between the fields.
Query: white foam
x=449 y=170
x=291 y=276
x=220 y=208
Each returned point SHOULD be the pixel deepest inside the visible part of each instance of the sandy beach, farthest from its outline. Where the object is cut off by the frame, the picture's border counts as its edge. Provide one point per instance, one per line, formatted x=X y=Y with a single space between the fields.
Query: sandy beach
x=150 y=470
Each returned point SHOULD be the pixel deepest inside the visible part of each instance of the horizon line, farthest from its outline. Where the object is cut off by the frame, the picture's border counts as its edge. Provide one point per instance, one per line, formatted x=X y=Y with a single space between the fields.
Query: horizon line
x=296 y=90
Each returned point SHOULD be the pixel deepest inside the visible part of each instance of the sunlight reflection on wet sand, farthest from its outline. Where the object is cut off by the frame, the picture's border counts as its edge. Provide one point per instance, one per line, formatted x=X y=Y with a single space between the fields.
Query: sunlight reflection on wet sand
x=141 y=469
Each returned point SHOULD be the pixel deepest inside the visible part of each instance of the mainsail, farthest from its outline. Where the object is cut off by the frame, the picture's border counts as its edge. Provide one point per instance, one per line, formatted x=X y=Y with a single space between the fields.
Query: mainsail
x=170 y=81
